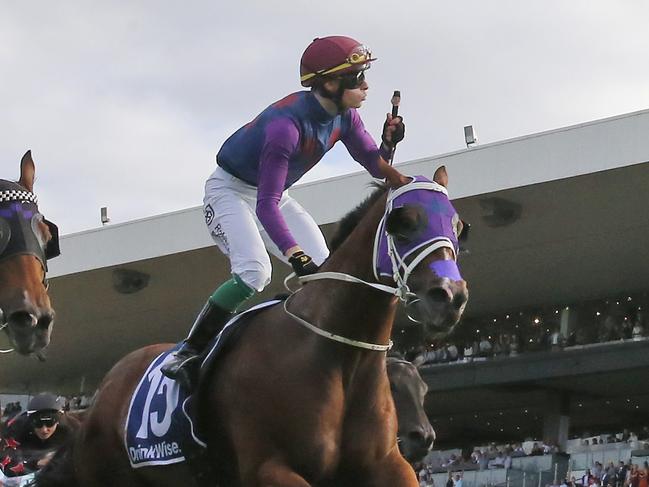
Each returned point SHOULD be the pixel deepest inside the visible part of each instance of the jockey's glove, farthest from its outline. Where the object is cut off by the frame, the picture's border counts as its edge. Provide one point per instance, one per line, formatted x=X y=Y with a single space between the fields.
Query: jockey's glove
x=303 y=264
x=394 y=131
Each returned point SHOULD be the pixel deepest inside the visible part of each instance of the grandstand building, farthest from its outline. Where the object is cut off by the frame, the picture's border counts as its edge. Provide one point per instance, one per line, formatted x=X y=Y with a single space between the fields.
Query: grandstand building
x=558 y=218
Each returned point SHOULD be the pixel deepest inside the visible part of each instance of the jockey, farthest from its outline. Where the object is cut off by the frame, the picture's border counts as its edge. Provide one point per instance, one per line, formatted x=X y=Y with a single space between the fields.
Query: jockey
x=37 y=433
x=246 y=206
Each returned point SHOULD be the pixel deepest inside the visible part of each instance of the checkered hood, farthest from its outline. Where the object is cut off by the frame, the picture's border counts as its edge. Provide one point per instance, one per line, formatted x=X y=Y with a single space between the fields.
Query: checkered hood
x=19 y=218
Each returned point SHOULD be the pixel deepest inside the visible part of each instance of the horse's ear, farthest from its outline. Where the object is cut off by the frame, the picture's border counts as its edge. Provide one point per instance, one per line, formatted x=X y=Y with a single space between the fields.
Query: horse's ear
x=27 y=172
x=441 y=176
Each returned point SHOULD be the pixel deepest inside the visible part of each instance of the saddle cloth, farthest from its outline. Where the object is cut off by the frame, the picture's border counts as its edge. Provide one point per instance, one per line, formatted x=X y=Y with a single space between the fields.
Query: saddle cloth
x=160 y=429
x=157 y=424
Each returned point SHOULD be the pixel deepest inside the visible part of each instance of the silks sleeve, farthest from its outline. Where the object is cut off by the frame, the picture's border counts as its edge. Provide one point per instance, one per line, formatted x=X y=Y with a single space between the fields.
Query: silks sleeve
x=282 y=138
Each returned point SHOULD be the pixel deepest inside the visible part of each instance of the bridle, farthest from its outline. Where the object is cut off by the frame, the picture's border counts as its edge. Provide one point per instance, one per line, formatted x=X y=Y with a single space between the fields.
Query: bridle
x=400 y=270
x=19 y=216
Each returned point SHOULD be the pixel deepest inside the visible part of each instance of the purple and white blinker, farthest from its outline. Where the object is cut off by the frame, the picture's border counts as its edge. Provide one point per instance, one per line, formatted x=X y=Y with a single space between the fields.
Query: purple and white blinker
x=441 y=231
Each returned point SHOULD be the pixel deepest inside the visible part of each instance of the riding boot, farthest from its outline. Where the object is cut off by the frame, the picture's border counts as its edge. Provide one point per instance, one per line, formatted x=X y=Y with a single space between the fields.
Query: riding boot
x=182 y=367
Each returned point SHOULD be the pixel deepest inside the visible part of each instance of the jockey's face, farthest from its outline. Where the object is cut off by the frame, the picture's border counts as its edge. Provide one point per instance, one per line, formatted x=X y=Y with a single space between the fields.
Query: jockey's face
x=355 y=90
x=355 y=98
x=45 y=429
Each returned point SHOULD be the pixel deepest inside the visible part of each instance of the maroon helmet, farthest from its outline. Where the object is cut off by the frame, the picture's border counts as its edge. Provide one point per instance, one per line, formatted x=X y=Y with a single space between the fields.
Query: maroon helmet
x=333 y=56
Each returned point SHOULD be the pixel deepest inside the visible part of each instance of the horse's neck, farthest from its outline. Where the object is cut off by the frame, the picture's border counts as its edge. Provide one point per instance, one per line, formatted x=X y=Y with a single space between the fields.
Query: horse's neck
x=353 y=310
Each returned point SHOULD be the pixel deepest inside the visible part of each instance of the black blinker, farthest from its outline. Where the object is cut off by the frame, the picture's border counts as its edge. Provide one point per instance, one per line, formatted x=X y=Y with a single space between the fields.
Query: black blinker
x=52 y=249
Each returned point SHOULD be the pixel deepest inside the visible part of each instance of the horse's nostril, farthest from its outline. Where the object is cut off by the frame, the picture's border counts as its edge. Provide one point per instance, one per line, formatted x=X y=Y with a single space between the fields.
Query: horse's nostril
x=417 y=438
x=439 y=295
x=460 y=300
x=45 y=321
x=428 y=441
x=22 y=319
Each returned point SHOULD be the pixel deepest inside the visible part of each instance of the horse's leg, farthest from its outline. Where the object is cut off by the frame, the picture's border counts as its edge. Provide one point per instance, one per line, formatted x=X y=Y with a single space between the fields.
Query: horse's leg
x=274 y=473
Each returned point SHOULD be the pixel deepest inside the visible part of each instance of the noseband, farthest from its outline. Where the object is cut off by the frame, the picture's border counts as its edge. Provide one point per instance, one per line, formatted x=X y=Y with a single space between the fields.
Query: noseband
x=387 y=257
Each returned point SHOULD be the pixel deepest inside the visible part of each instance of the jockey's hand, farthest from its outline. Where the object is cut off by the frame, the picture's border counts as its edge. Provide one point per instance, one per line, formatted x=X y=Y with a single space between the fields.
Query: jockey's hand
x=394 y=131
x=393 y=177
x=303 y=265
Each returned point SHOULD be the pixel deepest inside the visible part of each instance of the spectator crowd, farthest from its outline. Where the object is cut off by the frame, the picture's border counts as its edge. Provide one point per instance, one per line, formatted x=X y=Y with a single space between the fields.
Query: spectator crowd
x=620 y=318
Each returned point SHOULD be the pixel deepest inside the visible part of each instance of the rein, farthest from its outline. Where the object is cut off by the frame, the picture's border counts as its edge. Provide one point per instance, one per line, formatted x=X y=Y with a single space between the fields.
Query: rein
x=333 y=336
x=402 y=291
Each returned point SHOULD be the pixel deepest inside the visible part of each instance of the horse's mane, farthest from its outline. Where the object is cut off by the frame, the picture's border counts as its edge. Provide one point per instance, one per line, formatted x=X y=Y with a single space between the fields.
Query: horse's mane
x=351 y=219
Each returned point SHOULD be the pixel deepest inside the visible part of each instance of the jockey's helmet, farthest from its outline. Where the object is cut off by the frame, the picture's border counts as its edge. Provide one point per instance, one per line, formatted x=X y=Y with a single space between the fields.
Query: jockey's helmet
x=331 y=57
x=44 y=402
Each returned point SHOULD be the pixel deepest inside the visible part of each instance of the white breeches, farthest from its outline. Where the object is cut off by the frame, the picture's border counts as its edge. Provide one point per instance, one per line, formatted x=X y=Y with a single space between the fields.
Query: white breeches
x=229 y=209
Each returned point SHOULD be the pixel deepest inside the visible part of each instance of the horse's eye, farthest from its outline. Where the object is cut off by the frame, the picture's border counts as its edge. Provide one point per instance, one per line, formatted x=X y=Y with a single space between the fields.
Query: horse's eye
x=406 y=222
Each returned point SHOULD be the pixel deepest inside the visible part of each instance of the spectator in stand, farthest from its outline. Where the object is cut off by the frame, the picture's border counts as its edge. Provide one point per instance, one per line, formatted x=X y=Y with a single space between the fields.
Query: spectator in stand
x=449 y=482
x=643 y=473
x=468 y=352
x=637 y=332
x=634 y=480
x=452 y=460
x=608 y=475
x=498 y=461
x=536 y=449
x=556 y=340
x=453 y=354
x=485 y=348
x=611 y=471
x=458 y=479
x=587 y=478
x=423 y=477
x=483 y=461
x=620 y=474
x=518 y=451
x=514 y=346
x=629 y=470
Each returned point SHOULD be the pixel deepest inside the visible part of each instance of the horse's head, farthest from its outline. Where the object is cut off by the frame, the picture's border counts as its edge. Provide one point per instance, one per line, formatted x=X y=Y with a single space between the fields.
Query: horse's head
x=416 y=434
x=27 y=241
x=417 y=247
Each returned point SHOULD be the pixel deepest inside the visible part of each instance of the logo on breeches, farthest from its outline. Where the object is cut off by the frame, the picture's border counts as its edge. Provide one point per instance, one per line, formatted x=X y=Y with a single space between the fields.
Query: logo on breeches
x=208 y=211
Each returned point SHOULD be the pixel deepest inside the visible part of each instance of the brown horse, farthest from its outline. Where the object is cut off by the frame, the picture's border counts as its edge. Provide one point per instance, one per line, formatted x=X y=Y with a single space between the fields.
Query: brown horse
x=415 y=434
x=302 y=397
x=27 y=241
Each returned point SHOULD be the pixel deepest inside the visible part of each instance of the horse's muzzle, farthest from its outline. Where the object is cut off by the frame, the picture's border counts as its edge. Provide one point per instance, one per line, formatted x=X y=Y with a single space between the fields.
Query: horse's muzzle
x=416 y=444
x=442 y=305
x=29 y=332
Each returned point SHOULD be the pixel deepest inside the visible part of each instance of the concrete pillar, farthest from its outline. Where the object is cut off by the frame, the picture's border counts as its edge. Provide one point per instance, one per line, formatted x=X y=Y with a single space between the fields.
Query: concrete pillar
x=556 y=419
x=567 y=322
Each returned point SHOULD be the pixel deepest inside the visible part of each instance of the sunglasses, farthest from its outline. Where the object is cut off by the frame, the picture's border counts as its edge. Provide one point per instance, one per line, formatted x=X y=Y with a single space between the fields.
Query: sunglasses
x=44 y=422
x=352 y=81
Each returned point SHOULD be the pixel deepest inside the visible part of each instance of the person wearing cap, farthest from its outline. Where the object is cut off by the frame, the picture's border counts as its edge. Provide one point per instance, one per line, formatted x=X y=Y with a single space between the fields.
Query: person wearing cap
x=38 y=432
x=246 y=206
